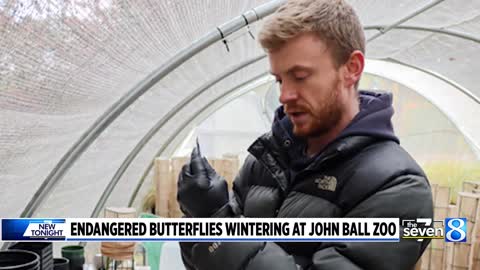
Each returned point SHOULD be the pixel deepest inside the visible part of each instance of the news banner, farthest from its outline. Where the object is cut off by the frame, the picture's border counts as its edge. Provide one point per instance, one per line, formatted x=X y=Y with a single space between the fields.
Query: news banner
x=234 y=229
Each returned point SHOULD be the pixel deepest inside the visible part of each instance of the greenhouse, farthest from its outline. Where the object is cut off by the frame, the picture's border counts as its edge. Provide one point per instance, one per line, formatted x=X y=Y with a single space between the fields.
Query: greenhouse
x=95 y=93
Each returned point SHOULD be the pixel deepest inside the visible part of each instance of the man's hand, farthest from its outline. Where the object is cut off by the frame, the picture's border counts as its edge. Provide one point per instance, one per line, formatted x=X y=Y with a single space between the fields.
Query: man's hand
x=201 y=191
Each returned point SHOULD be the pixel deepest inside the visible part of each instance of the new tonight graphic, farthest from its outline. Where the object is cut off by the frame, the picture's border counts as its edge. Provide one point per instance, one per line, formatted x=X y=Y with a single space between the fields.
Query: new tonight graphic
x=33 y=229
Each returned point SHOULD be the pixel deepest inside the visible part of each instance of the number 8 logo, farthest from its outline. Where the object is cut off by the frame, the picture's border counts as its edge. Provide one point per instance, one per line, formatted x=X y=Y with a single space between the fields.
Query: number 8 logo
x=456 y=230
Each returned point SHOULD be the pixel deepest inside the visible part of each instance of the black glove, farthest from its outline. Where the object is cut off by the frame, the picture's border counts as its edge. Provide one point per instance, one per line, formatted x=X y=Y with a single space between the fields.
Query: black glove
x=201 y=191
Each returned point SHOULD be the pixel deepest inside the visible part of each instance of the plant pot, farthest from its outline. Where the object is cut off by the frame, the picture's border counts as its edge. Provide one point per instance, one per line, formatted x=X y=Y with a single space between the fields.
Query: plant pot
x=19 y=260
x=75 y=254
x=118 y=250
x=42 y=249
x=61 y=264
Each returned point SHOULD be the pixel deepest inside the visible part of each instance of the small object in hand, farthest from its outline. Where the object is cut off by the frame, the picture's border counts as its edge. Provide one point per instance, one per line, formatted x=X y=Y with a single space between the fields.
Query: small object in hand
x=201 y=190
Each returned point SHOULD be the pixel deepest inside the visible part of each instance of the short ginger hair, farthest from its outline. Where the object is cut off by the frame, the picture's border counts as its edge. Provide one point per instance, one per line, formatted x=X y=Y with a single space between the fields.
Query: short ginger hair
x=333 y=21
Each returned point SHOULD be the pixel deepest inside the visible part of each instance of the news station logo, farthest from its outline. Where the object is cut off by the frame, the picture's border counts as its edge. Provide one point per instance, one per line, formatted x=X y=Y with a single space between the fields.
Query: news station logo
x=450 y=229
x=33 y=229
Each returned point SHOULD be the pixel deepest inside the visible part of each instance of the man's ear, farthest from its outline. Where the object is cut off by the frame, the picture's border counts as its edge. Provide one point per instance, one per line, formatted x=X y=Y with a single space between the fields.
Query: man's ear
x=354 y=68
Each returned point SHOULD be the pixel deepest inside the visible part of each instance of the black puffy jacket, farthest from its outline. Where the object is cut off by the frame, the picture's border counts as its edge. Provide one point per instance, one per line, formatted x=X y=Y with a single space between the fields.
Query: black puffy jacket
x=363 y=173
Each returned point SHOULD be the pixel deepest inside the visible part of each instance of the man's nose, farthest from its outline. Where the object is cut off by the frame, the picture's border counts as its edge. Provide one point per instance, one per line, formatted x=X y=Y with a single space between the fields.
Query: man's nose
x=287 y=94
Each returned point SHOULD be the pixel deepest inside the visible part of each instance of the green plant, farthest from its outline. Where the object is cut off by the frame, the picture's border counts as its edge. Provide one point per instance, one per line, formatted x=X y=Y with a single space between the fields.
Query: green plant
x=452 y=174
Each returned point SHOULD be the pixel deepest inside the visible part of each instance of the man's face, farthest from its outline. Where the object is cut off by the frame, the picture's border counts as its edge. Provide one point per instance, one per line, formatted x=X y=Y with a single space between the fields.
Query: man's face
x=310 y=85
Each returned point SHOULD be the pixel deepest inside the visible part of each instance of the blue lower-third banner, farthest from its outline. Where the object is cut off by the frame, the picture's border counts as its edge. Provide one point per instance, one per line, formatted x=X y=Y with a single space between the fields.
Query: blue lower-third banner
x=234 y=229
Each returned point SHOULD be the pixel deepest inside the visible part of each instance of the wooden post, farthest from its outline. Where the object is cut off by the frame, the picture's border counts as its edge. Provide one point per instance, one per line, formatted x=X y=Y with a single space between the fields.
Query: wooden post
x=434 y=191
x=425 y=260
x=163 y=187
x=174 y=208
x=441 y=207
x=448 y=251
x=475 y=264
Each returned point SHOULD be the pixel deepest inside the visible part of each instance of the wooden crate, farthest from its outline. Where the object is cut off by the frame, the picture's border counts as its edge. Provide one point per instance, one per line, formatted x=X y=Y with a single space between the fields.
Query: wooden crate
x=163 y=187
x=120 y=212
x=218 y=165
x=471 y=186
x=174 y=208
x=119 y=250
x=230 y=168
x=433 y=257
x=226 y=167
x=463 y=253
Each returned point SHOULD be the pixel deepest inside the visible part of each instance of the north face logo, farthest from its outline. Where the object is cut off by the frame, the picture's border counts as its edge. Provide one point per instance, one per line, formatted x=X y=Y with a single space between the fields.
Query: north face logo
x=326 y=182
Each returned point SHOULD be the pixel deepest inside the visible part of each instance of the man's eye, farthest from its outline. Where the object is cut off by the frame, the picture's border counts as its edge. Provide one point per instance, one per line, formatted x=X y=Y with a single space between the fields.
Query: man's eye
x=300 y=76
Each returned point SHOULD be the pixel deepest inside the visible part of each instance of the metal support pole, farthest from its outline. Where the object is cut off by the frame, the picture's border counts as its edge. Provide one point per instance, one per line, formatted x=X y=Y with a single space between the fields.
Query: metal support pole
x=404 y=19
x=427 y=29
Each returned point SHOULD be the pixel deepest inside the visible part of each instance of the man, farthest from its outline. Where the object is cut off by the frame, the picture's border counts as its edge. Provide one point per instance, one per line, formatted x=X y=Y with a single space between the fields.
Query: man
x=331 y=152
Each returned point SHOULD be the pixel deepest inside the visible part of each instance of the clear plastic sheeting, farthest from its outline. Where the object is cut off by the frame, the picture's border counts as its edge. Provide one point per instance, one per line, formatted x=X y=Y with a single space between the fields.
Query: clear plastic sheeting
x=385 y=12
x=382 y=48
x=449 y=56
x=130 y=127
x=228 y=131
x=64 y=64
x=425 y=131
x=448 y=14
x=452 y=102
